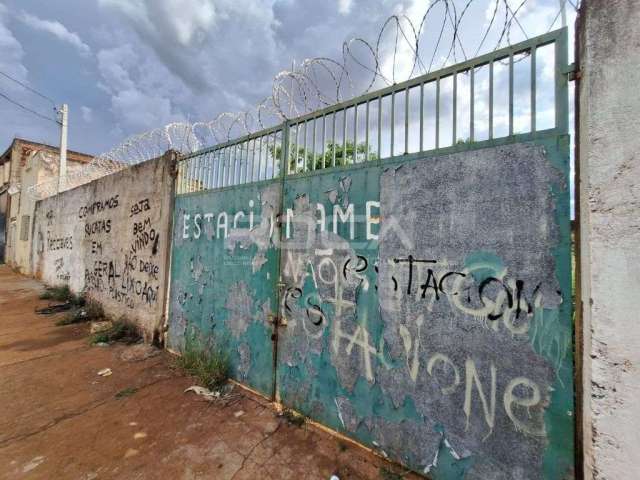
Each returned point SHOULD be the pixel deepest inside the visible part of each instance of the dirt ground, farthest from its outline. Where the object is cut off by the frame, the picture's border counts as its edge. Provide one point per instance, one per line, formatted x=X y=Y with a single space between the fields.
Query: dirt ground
x=60 y=420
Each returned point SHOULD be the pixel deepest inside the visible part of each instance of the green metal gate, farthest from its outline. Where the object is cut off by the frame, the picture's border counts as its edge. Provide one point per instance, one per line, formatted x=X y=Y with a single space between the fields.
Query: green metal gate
x=413 y=255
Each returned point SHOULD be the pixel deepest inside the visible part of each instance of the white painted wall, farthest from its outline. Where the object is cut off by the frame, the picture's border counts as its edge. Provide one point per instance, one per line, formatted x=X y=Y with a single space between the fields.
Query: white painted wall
x=609 y=164
x=109 y=239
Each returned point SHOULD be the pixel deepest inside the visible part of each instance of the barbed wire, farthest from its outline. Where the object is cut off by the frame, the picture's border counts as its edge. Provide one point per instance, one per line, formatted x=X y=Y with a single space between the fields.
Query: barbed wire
x=431 y=42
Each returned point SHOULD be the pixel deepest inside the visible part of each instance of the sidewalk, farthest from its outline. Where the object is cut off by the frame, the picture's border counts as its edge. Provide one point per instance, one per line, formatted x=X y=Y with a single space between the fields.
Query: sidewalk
x=61 y=420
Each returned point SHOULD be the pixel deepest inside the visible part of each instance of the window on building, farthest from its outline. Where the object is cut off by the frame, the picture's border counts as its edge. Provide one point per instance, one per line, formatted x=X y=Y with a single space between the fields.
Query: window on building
x=24 y=228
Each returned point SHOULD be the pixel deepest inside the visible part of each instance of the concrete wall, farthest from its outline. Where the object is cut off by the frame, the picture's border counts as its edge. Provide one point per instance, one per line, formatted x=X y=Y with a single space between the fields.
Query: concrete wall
x=109 y=238
x=609 y=202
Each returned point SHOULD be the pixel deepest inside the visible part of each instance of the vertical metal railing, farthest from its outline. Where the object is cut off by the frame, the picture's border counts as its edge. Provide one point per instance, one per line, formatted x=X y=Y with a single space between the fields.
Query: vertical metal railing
x=421 y=115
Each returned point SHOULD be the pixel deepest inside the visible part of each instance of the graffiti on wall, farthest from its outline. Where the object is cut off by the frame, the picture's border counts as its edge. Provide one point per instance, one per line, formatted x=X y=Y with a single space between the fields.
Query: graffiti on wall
x=109 y=239
x=131 y=276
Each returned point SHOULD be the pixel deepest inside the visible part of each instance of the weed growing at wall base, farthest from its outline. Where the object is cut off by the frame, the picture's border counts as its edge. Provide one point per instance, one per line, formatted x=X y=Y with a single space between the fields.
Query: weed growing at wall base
x=61 y=294
x=293 y=418
x=91 y=311
x=208 y=361
x=122 y=330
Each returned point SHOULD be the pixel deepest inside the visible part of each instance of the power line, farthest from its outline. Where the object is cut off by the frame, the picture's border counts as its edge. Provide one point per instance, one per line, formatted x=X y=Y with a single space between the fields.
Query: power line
x=10 y=100
x=28 y=87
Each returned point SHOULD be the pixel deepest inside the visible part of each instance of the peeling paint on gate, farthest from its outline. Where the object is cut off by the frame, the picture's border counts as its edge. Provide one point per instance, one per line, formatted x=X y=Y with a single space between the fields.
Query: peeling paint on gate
x=224 y=269
x=428 y=309
x=426 y=303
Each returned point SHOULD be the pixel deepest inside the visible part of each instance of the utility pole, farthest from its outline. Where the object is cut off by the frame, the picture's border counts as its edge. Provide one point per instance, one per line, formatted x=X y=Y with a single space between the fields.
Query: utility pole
x=62 y=174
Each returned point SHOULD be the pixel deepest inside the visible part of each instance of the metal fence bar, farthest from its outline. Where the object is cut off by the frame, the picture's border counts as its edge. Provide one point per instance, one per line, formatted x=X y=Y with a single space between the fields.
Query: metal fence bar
x=216 y=182
x=243 y=166
x=421 y=117
x=454 y=112
x=192 y=175
x=223 y=166
x=195 y=163
x=259 y=159
x=247 y=162
x=220 y=180
x=298 y=159
x=221 y=160
x=533 y=88
x=355 y=134
x=227 y=160
x=229 y=165
x=344 y=137
x=510 y=94
x=490 y=100
x=437 y=113
x=279 y=148
x=406 y=121
x=238 y=163
x=313 y=150
x=324 y=138
x=379 y=126
x=393 y=122
x=188 y=176
x=213 y=168
x=366 y=132
x=471 y=104
x=266 y=154
x=216 y=168
x=304 y=149
x=333 y=141
x=245 y=159
x=234 y=167
x=203 y=170
x=202 y=173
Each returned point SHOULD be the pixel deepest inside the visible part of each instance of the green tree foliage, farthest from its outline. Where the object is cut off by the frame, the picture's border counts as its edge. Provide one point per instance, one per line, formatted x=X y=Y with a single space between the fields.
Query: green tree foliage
x=344 y=154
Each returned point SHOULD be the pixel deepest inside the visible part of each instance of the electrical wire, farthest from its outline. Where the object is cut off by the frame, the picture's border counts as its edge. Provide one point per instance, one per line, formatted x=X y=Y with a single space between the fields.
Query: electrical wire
x=32 y=90
x=27 y=109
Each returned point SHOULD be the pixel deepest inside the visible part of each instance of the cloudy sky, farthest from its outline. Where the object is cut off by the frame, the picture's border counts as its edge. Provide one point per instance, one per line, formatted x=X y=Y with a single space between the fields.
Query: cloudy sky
x=126 y=66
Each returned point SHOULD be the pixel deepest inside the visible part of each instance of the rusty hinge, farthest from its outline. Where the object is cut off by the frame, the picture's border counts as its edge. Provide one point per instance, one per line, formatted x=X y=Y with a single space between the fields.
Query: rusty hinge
x=571 y=72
